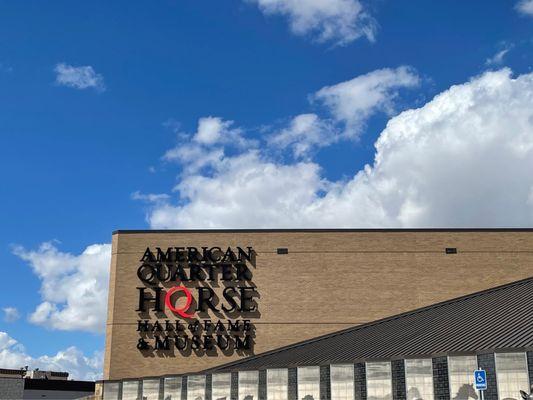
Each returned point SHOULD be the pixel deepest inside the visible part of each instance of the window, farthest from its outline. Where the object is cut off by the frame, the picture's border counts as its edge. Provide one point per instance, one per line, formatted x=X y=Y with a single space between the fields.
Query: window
x=419 y=379
x=309 y=383
x=461 y=376
x=378 y=381
x=277 y=384
x=130 y=390
x=248 y=385
x=172 y=388
x=511 y=375
x=111 y=390
x=221 y=387
x=342 y=385
x=196 y=387
x=150 y=389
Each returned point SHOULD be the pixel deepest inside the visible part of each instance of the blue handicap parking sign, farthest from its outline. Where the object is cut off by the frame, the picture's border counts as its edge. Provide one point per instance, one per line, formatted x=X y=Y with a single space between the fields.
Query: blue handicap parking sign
x=480 y=379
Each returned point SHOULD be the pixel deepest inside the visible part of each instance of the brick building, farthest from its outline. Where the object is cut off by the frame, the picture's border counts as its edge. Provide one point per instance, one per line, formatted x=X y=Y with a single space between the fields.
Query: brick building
x=308 y=314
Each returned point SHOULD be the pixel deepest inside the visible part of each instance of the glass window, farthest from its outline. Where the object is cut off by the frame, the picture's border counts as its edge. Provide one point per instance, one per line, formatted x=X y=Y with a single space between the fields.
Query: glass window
x=419 y=379
x=378 y=381
x=461 y=375
x=130 y=390
x=196 y=387
x=248 y=385
x=221 y=387
x=342 y=385
x=150 y=389
x=277 y=384
x=98 y=390
x=172 y=388
x=111 y=390
x=309 y=383
x=511 y=375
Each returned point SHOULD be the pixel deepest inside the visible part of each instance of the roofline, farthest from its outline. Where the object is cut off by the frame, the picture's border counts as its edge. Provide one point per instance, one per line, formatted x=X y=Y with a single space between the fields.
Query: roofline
x=211 y=371
x=320 y=230
x=229 y=366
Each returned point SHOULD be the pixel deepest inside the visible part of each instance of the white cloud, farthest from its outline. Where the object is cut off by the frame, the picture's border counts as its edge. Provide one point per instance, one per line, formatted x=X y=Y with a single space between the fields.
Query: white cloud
x=525 y=7
x=204 y=148
x=11 y=314
x=83 y=77
x=354 y=101
x=72 y=360
x=305 y=133
x=497 y=59
x=245 y=191
x=337 y=21
x=150 y=197
x=351 y=104
x=463 y=159
x=213 y=130
x=73 y=287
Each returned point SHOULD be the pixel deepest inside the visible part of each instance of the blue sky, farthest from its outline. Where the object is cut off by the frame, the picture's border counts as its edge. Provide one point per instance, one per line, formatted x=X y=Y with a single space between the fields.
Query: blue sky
x=101 y=107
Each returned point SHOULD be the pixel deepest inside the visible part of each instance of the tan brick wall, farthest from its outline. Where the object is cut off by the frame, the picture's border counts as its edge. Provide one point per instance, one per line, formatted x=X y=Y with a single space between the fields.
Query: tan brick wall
x=330 y=280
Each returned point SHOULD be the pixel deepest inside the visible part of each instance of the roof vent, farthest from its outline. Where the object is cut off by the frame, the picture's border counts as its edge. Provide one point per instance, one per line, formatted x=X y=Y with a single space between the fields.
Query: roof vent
x=282 y=250
x=451 y=250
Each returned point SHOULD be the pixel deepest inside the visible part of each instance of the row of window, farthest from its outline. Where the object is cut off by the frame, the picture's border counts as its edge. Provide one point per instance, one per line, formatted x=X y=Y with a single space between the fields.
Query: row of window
x=511 y=376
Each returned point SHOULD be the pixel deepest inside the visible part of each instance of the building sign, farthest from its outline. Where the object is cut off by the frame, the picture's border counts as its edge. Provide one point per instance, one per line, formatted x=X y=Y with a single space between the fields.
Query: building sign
x=197 y=301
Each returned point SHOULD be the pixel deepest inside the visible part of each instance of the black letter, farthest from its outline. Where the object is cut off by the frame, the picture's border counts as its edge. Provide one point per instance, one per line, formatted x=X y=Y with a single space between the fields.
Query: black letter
x=148 y=255
x=161 y=344
x=228 y=293
x=164 y=257
x=146 y=273
x=247 y=296
x=245 y=344
x=243 y=273
x=243 y=255
x=205 y=296
x=143 y=297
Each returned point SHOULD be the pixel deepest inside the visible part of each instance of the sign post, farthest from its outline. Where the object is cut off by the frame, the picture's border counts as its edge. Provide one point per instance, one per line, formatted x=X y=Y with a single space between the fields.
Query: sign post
x=480 y=381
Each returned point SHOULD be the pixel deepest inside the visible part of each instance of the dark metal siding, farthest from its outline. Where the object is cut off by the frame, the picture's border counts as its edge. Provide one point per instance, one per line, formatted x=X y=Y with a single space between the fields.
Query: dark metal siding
x=498 y=318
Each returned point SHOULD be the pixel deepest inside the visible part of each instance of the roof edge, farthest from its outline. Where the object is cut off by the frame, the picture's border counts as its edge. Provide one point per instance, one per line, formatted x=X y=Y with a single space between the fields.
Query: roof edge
x=235 y=363
x=319 y=230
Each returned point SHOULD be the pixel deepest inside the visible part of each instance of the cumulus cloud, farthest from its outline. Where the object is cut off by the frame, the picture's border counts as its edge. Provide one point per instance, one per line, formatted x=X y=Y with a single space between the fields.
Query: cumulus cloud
x=203 y=148
x=242 y=185
x=463 y=159
x=73 y=287
x=83 y=77
x=349 y=105
x=305 y=133
x=11 y=314
x=72 y=360
x=336 y=21
x=354 y=101
x=525 y=7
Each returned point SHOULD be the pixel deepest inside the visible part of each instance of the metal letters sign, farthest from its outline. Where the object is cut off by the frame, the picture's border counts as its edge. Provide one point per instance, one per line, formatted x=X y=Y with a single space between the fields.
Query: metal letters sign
x=480 y=379
x=197 y=301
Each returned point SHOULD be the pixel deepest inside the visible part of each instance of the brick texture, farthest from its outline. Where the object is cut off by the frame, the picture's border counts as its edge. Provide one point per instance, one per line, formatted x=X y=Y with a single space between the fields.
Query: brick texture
x=486 y=362
x=234 y=385
x=441 y=385
x=293 y=384
x=208 y=386
x=262 y=385
x=365 y=275
x=398 y=380
x=360 y=381
x=325 y=383
x=11 y=388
